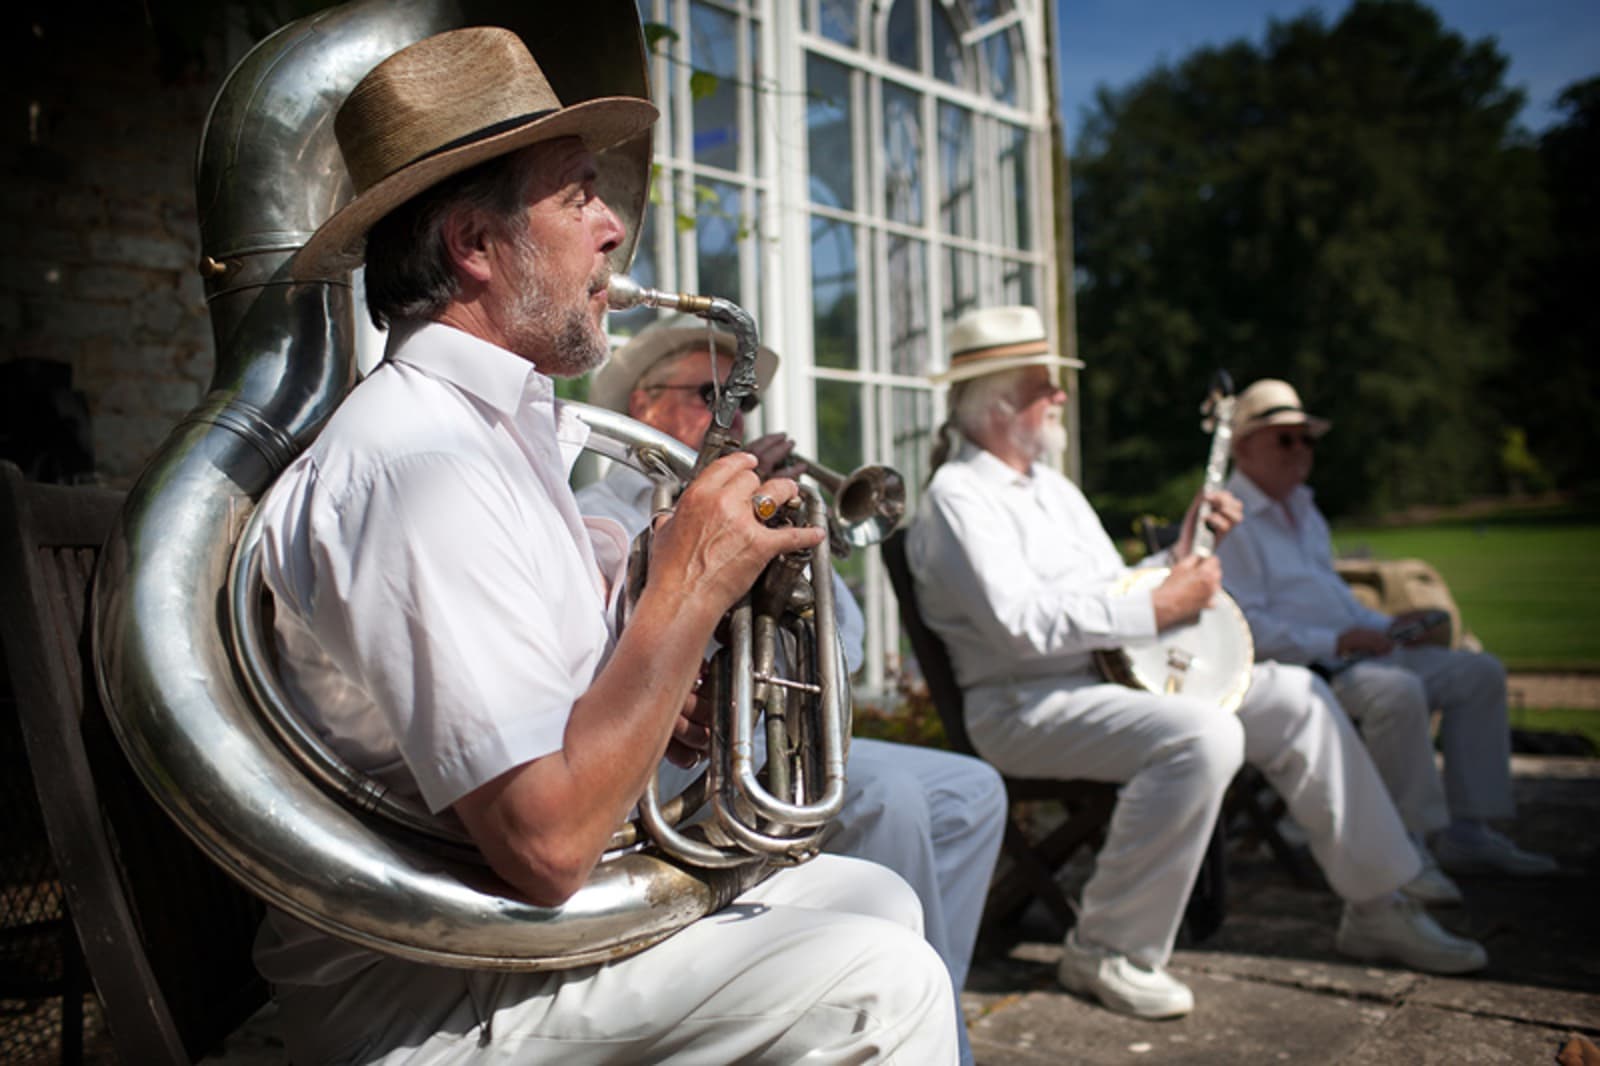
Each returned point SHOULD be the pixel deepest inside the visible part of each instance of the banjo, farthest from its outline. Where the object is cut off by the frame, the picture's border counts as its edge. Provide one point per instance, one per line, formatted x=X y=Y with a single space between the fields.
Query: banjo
x=1209 y=657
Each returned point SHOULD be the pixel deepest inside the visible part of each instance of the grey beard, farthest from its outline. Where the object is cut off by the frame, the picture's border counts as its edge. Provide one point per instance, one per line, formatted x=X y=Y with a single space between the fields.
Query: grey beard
x=560 y=342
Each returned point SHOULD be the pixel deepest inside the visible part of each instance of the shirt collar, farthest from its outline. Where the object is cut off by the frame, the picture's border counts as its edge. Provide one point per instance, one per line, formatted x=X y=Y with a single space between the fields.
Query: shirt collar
x=990 y=468
x=487 y=371
x=1255 y=501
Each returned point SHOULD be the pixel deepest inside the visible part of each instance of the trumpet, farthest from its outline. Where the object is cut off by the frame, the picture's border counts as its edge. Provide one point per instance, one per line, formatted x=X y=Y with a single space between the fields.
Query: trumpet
x=868 y=502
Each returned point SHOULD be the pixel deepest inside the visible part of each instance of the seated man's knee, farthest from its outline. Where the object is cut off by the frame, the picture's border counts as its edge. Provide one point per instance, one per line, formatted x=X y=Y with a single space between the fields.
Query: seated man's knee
x=1484 y=671
x=1211 y=752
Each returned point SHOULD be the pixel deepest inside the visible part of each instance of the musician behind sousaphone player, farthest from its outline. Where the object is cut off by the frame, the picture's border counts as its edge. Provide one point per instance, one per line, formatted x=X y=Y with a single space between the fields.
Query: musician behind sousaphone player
x=1279 y=568
x=443 y=614
x=1018 y=576
x=934 y=817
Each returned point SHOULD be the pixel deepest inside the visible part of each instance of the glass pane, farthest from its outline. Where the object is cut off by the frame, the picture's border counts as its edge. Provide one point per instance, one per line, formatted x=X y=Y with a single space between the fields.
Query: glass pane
x=957 y=205
x=839 y=422
x=911 y=436
x=829 y=123
x=1020 y=283
x=1002 y=68
x=713 y=37
x=947 y=58
x=1015 y=194
x=902 y=149
x=960 y=285
x=837 y=20
x=907 y=293
x=718 y=227
x=902 y=44
x=643 y=270
x=834 y=284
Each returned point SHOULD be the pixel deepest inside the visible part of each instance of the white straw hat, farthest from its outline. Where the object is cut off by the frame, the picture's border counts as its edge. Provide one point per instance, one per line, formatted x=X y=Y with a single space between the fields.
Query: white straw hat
x=996 y=339
x=1270 y=402
x=614 y=382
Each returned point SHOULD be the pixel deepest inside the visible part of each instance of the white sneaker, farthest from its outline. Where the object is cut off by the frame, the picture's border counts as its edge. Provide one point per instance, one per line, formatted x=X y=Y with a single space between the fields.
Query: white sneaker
x=1403 y=932
x=1121 y=984
x=1485 y=851
x=1433 y=888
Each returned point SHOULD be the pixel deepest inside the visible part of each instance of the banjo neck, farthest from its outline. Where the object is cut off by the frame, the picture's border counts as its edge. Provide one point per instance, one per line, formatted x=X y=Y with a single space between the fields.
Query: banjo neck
x=1218 y=411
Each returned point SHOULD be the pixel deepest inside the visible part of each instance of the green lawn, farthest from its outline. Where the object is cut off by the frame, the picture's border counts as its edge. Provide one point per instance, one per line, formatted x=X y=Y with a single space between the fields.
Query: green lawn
x=1527 y=584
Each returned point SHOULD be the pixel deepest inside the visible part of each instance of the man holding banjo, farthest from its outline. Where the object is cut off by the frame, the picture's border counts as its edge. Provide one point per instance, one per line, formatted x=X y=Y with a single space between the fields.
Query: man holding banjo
x=1016 y=574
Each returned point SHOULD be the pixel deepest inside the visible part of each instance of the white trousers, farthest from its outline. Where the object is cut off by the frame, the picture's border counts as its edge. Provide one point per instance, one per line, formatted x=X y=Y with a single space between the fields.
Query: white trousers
x=1392 y=698
x=824 y=963
x=1174 y=758
x=935 y=818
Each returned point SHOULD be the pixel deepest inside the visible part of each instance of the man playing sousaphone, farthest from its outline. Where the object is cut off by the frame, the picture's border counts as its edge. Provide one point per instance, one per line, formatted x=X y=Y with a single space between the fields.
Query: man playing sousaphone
x=444 y=614
x=1280 y=570
x=1017 y=575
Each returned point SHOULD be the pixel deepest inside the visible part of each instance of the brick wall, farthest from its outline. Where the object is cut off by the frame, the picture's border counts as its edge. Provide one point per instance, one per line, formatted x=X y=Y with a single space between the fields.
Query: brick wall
x=97 y=219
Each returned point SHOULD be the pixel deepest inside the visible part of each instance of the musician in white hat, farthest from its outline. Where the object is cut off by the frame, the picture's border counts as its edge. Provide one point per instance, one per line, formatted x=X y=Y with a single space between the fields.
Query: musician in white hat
x=444 y=614
x=934 y=817
x=1016 y=573
x=1279 y=568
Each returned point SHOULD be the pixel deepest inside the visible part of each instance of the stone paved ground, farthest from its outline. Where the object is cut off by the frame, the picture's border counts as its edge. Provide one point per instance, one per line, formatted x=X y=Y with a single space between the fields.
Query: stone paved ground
x=1269 y=987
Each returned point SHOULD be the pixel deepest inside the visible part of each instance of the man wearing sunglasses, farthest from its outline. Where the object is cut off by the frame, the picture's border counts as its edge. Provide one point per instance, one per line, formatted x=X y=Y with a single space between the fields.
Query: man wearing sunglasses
x=1279 y=567
x=933 y=817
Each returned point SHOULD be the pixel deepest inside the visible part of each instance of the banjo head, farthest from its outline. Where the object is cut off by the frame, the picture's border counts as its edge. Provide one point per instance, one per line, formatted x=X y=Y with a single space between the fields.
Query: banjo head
x=1208 y=659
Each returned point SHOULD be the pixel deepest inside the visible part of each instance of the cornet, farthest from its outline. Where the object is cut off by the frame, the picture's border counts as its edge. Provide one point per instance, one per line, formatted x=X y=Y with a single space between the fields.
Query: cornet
x=868 y=503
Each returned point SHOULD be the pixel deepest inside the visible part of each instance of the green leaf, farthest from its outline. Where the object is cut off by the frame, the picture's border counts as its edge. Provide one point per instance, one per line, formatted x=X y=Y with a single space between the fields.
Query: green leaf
x=655 y=32
x=703 y=83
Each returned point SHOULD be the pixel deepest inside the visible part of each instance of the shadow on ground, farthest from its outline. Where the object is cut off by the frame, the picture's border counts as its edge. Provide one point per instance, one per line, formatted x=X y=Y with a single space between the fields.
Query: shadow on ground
x=1270 y=988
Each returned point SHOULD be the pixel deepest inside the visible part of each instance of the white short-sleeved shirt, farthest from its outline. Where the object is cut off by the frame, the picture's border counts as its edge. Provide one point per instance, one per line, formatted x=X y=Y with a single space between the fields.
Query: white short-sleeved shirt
x=1015 y=572
x=441 y=604
x=1278 y=566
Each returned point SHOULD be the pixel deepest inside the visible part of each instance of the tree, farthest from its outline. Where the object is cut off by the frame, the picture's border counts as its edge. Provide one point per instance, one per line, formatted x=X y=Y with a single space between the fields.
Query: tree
x=1346 y=207
x=1554 y=386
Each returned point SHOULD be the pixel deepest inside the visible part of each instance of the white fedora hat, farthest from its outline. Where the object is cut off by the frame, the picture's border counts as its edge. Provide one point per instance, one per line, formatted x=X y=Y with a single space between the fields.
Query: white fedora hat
x=994 y=339
x=1270 y=402
x=614 y=382
x=434 y=109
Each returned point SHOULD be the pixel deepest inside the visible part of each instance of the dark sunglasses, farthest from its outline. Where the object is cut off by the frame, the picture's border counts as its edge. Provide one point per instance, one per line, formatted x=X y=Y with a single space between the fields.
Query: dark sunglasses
x=1289 y=440
x=708 y=395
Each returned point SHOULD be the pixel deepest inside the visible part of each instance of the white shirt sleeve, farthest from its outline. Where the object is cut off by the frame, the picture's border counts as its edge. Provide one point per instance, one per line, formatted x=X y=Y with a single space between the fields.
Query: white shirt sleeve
x=1032 y=588
x=446 y=617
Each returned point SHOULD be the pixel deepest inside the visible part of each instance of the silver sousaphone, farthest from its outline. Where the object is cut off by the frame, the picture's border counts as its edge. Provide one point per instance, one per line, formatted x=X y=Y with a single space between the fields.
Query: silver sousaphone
x=182 y=651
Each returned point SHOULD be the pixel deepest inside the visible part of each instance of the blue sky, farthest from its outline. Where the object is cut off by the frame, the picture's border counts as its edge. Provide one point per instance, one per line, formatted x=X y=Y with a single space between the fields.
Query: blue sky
x=1551 y=43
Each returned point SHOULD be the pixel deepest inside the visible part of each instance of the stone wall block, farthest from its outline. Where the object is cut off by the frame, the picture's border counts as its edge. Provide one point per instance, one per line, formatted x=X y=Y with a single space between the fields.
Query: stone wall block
x=163 y=253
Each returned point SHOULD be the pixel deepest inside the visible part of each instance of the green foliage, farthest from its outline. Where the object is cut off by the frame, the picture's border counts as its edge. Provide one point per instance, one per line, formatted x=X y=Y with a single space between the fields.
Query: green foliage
x=1347 y=206
x=1552 y=390
x=1523 y=472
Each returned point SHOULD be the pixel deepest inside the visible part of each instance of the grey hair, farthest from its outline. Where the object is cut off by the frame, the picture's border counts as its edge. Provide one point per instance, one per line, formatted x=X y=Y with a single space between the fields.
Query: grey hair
x=973 y=404
x=409 y=274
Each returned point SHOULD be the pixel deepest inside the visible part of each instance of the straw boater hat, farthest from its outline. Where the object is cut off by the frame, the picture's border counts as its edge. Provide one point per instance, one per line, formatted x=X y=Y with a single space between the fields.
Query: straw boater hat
x=614 y=382
x=996 y=339
x=1270 y=402
x=438 y=107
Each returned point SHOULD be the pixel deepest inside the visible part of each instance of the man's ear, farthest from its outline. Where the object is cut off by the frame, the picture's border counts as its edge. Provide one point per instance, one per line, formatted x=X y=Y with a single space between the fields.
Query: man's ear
x=467 y=237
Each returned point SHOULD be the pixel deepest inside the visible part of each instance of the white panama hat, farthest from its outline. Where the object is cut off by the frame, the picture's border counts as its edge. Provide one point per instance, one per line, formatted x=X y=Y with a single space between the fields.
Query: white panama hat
x=1270 y=402
x=995 y=339
x=615 y=381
